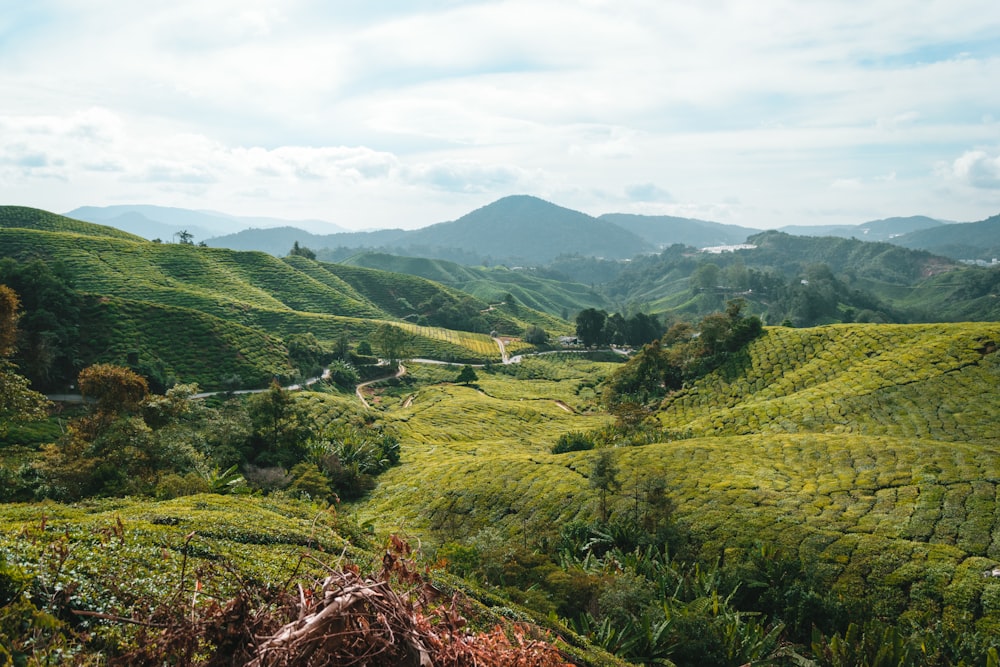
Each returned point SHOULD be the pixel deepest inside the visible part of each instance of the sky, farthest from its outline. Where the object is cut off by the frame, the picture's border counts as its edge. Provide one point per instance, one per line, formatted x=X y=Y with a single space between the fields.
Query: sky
x=384 y=113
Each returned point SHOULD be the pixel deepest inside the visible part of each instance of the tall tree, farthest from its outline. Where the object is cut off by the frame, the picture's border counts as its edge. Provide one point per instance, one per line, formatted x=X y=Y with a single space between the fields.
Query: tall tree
x=604 y=478
x=279 y=427
x=392 y=342
x=18 y=402
x=590 y=326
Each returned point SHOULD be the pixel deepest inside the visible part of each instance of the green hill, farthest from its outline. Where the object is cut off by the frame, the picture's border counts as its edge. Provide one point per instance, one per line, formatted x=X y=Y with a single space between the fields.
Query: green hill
x=32 y=218
x=808 y=280
x=868 y=450
x=513 y=230
x=491 y=284
x=247 y=301
x=967 y=240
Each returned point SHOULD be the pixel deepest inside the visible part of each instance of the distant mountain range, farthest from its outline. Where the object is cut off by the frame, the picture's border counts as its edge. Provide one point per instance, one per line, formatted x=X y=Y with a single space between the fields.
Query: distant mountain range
x=163 y=222
x=525 y=230
x=887 y=229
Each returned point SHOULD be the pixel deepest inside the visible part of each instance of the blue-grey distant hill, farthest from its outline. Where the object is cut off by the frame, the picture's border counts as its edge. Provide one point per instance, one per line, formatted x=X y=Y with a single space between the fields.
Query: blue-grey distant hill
x=966 y=240
x=164 y=222
x=665 y=230
x=514 y=230
x=886 y=229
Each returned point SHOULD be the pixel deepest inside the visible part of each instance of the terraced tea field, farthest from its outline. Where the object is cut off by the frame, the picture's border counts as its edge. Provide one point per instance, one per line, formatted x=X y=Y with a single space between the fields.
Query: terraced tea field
x=870 y=451
x=253 y=300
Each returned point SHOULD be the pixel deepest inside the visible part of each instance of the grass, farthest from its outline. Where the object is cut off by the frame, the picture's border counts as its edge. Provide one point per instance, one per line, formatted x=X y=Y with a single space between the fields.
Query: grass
x=869 y=451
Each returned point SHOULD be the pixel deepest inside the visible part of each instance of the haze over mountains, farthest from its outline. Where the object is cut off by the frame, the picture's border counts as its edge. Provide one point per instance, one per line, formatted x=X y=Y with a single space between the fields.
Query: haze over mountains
x=163 y=222
x=522 y=229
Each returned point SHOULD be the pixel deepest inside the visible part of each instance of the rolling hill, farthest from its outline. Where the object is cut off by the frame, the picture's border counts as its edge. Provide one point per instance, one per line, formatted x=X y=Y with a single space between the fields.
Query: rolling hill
x=523 y=229
x=156 y=288
x=529 y=287
x=868 y=451
x=968 y=240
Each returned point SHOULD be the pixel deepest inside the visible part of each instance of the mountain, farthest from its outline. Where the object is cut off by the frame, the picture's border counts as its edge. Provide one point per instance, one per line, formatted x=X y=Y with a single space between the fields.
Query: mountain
x=666 y=230
x=530 y=230
x=513 y=230
x=875 y=230
x=967 y=240
x=164 y=222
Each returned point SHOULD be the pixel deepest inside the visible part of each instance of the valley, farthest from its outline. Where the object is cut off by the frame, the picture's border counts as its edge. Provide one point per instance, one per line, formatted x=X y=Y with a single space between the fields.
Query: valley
x=811 y=494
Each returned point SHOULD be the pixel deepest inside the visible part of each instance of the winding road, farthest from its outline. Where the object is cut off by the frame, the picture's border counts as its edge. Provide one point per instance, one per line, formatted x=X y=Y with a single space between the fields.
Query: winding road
x=400 y=372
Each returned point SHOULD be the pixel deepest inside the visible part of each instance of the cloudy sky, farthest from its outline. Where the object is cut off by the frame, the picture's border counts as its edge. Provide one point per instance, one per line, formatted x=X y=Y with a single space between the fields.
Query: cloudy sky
x=393 y=113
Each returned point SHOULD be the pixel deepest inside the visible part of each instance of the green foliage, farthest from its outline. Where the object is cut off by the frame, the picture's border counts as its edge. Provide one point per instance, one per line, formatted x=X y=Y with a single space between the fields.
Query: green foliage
x=301 y=251
x=467 y=375
x=574 y=441
x=178 y=306
x=535 y=335
x=280 y=428
x=343 y=373
x=656 y=370
x=590 y=326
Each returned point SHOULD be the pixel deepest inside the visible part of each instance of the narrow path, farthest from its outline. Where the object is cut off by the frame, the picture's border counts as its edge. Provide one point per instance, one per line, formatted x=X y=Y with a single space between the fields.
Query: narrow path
x=503 y=350
x=360 y=394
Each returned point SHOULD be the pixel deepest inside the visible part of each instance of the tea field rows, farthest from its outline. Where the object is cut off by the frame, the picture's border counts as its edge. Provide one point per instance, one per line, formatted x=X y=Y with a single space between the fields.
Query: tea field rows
x=870 y=452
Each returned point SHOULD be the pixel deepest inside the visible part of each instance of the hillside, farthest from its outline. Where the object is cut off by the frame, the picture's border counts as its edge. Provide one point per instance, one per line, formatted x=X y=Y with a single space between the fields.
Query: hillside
x=22 y=217
x=513 y=230
x=969 y=240
x=523 y=229
x=529 y=287
x=244 y=298
x=665 y=230
x=807 y=280
x=867 y=450
x=278 y=241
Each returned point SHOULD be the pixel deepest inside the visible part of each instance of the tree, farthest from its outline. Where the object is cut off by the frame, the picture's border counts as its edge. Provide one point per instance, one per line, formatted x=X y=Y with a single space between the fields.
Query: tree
x=301 y=251
x=278 y=426
x=392 y=342
x=115 y=389
x=467 y=375
x=590 y=326
x=511 y=302
x=604 y=478
x=184 y=237
x=10 y=306
x=18 y=402
x=705 y=277
x=48 y=329
x=342 y=349
x=535 y=335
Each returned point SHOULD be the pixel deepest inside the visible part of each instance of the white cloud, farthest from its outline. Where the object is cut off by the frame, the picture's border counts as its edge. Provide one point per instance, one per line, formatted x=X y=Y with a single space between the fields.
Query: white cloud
x=978 y=169
x=329 y=107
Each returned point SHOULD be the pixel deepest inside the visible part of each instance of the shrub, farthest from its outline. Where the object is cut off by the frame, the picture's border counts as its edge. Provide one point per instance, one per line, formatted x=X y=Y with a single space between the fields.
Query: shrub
x=574 y=441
